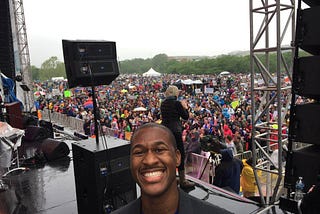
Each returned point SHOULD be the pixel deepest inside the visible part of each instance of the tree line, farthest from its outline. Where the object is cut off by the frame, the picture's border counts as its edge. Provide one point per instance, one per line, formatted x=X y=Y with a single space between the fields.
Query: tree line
x=52 y=67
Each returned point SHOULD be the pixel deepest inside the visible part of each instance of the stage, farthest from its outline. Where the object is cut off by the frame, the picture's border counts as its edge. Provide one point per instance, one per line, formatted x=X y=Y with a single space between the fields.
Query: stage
x=49 y=188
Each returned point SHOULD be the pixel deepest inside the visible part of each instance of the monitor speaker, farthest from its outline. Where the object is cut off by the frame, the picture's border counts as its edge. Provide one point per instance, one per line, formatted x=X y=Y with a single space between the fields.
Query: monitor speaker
x=307 y=75
x=54 y=149
x=102 y=175
x=304 y=162
x=306 y=123
x=90 y=63
x=48 y=127
x=34 y=134
x=308 y=31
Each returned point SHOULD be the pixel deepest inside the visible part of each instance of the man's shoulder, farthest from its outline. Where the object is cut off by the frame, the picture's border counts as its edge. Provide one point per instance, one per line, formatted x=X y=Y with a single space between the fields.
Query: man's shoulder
x=191 y=204
x=131 y=208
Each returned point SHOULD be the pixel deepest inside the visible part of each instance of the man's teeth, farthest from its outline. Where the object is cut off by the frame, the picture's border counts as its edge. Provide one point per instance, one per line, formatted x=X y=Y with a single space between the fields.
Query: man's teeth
x=153 y=174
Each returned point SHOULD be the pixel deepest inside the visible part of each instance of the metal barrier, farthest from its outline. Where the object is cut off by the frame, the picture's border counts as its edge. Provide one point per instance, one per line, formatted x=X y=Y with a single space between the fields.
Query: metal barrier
x=62 y=119
x=74 y=123
x=260 y=154
x=244 y=155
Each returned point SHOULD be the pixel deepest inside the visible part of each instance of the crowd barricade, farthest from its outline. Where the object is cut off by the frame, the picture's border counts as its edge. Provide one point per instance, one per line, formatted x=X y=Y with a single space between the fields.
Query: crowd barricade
x=244 y=155
x=74 y=123
x=111 y=132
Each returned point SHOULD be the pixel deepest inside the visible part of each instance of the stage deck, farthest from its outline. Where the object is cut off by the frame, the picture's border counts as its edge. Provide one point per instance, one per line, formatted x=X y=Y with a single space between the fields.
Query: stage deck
x=49 y=188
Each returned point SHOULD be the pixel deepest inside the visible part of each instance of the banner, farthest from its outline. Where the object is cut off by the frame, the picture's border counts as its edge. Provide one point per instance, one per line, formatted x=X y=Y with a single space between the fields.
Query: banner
x=208 y=91
x=67 y=93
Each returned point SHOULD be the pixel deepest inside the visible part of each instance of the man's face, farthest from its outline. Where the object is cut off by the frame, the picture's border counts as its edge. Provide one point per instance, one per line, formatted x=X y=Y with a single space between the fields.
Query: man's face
x=153 y=161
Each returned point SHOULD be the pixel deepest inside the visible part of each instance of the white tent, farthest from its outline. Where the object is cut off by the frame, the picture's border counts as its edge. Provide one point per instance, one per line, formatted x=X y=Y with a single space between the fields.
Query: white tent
x=151 y=73
x=224 y=73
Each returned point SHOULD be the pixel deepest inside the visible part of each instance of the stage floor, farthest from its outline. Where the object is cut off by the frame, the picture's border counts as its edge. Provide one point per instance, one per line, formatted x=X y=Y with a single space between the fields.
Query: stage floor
x=45 y=188
x=49 y=188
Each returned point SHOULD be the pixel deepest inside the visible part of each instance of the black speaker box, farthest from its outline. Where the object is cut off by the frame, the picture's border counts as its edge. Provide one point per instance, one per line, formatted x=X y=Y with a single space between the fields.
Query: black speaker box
x=306 y=123
x=98 y=169
x=312 y=3
x=90 y=59
x=307 y=75
x=34 y=133
x=7 y=59
x=30 y=120
x=304 y=162
x=54 y=149
x=48 y=127
x=308 y=31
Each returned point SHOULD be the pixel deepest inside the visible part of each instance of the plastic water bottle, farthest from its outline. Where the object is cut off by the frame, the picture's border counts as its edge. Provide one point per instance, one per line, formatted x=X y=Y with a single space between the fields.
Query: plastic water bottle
x=299 y=189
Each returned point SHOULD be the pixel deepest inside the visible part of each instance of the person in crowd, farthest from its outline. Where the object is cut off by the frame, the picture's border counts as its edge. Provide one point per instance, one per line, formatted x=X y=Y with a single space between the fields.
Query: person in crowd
x=227 y=173
x=247 y=179
x=171 y=111
x=230 y=144
x=153 y=160
x=238 y=144
x=227 y=131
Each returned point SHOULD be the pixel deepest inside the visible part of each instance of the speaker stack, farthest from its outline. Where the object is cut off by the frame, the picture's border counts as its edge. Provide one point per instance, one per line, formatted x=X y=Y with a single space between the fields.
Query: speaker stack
x=90 y=63
x=305 y=117
x=7 y=59
x=102 y=175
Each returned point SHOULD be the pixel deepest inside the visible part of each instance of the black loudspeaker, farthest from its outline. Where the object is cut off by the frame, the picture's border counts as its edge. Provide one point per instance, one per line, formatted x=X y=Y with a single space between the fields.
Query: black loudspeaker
x=308 y=31
x=306 y=123
x=30 y=120
x=304 y=162
x=54 y=149
x=312 y=3
x=48 y=127
x=34 y=133
x=98 y=170
x=7 y=59
x=83 y=58
x=306 y=80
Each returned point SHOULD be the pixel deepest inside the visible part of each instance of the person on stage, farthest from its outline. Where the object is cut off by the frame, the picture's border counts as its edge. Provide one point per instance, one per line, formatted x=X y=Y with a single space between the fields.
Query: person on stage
x=172 y=111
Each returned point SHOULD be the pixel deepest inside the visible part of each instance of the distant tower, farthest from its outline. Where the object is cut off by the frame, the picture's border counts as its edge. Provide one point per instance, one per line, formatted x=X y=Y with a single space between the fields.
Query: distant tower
x=21 y=53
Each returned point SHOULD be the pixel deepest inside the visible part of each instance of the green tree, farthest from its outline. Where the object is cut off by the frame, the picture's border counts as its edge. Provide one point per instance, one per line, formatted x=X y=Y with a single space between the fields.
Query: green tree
x=159 y=62
x=35 y=72
x=52 y=67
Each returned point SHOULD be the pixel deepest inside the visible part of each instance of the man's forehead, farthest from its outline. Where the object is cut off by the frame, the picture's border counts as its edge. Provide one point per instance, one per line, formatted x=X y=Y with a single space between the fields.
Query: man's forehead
x=151 y=134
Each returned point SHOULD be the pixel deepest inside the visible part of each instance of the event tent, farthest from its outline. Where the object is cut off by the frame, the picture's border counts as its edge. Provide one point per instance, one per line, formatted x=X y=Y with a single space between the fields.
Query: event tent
x=224 y=73
x=151 y=73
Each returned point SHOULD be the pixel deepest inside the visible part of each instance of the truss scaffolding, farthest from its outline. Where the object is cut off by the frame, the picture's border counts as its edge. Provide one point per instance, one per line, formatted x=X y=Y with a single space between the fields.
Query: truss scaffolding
x=272 y=31
x=22 y=56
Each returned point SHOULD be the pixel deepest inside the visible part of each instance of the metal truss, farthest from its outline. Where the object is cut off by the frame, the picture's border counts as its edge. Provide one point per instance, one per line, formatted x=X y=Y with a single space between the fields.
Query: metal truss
x=272 y=30
x=22 y=56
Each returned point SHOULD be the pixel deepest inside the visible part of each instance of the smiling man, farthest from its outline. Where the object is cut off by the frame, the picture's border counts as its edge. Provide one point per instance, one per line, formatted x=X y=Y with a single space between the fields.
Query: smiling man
x=154 y=159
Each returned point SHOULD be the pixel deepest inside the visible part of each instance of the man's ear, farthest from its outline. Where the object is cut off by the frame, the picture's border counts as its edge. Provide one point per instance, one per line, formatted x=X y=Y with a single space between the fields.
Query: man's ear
x=178 y=157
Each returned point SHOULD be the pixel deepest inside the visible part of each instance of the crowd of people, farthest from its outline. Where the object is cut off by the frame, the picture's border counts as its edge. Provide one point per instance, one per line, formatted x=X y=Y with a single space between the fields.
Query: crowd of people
x=132 y=100
x=217 y=106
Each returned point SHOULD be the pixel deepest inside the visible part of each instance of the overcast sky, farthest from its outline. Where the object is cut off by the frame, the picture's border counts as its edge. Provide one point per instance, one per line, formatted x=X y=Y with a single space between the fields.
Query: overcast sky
x=140 y=28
